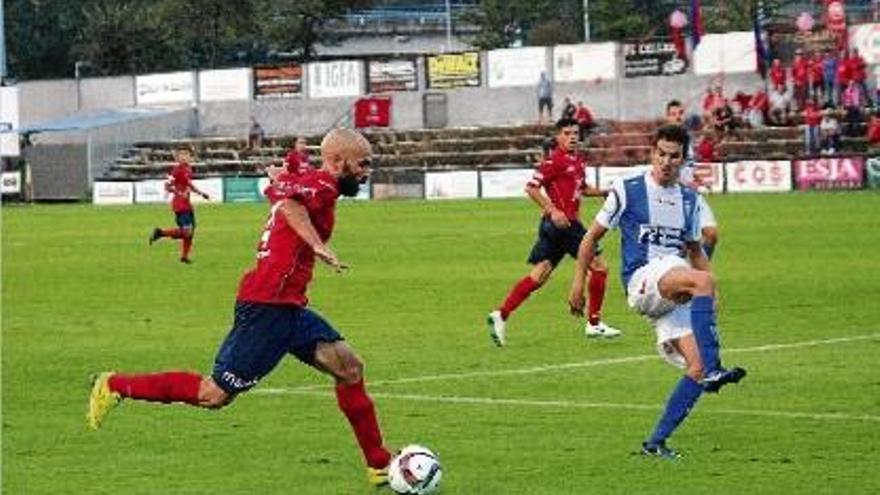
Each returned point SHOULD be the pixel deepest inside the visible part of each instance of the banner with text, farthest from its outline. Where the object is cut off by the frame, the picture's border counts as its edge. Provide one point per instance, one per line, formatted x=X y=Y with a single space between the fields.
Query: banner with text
x=505 y=183
x=453 y=70
x=9 y=145
x=758 y=176
x=584 y=62
x=829 y=173
x=212 y=187
x=335 y=79
x=112 y=193
x=654 y=57
x=392 y=75
x=517 y=66
x=709 y=177
x=451 y=185
x=11 y=183
x=224 y=85
x=725 y=53
x=173 y=87
x=607 y=175
x=150 y=191
x=278 y=81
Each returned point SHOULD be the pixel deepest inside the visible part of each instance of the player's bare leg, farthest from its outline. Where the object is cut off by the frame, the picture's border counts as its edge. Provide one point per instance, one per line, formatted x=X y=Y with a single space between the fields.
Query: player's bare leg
x=339 y=360
x=595 y=327
x=538 y=276
x=687 y=284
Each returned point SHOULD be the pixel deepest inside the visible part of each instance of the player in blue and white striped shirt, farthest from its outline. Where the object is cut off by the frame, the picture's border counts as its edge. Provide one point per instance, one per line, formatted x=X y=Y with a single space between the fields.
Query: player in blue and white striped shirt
x=659 y=221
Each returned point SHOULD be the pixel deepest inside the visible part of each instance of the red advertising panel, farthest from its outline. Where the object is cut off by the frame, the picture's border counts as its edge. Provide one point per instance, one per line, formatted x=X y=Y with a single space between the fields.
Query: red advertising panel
x=829 y=173
x=373 y=111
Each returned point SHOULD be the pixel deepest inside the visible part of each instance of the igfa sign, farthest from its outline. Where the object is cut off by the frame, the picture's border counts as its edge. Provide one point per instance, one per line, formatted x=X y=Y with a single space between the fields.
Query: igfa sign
x=335 y=79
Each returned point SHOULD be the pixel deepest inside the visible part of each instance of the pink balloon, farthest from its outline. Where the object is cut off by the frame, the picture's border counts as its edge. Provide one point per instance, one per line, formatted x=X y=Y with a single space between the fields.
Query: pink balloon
x=805 y=22
x=677 y=19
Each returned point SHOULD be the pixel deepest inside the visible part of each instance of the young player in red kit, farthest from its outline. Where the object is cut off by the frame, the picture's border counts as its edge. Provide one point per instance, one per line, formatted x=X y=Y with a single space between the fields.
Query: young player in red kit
x=179 y=184
x=561 y=175
x=271 y=314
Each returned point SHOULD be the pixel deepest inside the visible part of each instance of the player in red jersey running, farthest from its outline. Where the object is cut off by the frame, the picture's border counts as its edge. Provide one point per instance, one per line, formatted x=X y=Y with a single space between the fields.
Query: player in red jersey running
x=561 y=175
x=179 y=184
x=271 y=314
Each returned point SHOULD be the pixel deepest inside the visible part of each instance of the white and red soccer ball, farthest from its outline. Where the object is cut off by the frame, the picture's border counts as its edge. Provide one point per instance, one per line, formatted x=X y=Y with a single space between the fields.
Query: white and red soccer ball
x=415 y=471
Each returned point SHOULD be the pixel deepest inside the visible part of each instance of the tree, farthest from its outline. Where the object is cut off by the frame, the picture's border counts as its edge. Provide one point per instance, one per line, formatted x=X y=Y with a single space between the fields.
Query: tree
x=122 y=37
x=296 y=26
x=38 y=34
x=205 y=33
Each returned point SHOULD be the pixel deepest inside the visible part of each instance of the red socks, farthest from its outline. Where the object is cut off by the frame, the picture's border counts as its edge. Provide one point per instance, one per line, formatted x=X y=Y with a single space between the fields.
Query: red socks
x=173 y=233
x=358 y=408
x=596 y=287
x=517 y=295
x=185 y=246
x=172 y=386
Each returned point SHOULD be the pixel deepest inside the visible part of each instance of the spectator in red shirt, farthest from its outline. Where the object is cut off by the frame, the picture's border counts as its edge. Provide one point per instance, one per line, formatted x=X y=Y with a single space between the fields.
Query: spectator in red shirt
x=585 y=121
x=297 y=160
x=777 y=75
x=759 y=104
x=816 y=76
x=714 y=99
x=707 y=149
x=844 y=74
x=858 y=70
x=800 y=75
x=812 y=120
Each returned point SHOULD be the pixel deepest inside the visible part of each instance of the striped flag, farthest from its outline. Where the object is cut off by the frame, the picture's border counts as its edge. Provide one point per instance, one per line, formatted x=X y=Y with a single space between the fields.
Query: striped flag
x=762 y=40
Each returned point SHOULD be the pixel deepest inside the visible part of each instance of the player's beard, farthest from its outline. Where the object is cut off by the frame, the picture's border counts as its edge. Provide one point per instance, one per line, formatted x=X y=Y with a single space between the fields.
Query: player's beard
x=349 y=185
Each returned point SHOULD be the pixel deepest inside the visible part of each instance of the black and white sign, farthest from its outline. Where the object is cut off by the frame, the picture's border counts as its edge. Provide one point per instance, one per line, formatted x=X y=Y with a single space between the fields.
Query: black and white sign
x=656 y=57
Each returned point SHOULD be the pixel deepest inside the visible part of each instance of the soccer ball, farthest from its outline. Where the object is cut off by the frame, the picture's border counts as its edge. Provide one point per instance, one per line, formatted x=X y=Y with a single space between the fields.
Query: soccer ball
x=415 y=471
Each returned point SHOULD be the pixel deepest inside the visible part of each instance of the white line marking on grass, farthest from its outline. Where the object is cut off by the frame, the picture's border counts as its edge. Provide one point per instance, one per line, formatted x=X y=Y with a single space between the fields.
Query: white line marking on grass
x=598 y=362
x=564 y=404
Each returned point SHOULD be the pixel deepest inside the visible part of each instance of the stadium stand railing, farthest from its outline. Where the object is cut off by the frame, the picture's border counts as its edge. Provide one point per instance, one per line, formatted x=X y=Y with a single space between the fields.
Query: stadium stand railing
x=617 y=144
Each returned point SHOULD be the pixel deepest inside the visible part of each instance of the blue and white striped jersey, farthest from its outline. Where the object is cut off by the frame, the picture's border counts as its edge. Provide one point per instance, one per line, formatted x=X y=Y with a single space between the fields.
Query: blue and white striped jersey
x=653 y=220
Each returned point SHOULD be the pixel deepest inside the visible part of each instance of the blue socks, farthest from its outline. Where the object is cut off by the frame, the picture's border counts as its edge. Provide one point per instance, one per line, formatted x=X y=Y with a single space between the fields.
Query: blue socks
x=678 y=406
x=703 y=325
x=709 y=249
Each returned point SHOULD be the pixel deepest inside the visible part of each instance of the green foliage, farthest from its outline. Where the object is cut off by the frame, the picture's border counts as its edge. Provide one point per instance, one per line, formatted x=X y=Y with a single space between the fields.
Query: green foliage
x=82 y=291
x=135 y=36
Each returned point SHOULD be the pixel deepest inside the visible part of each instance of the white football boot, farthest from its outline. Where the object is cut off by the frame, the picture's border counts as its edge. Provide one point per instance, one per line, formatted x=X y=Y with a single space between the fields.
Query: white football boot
x=496 y=328
x=600 y=330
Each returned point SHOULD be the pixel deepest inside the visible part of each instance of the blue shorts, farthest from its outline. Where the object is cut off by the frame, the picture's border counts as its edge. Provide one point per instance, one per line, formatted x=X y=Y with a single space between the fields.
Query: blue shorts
x=554 y=243
x=185 y=219
x=263 y=334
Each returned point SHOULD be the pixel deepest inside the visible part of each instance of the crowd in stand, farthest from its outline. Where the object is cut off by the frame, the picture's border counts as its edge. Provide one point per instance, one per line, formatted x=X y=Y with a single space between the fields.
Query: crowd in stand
x=817 y=91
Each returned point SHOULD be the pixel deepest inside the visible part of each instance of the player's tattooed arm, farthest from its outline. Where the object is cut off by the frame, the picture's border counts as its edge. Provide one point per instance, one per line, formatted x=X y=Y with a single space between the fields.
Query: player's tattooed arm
x=297 y=218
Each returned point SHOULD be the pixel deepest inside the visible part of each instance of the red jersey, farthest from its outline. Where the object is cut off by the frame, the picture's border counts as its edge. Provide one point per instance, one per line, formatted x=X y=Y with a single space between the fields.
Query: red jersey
x=777 y=75
x=179 y=184
x=562 y=177
x=812 y=115
x=284 y=261
x=583 y=116
x=816 y=70
x=800 y=72
x=857 y=68
x=297 y=163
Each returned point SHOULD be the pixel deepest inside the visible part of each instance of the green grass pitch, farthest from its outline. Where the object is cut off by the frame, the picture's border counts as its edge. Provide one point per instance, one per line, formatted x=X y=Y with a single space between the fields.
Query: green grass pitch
x=551 y=413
